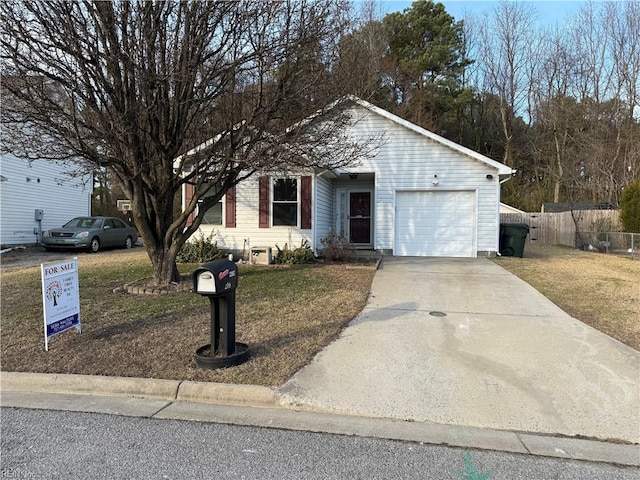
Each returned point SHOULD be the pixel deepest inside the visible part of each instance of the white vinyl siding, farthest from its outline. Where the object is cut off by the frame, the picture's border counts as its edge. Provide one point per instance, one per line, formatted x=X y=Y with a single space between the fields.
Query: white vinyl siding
x=247 y=233
x=38 y=185
x=324 y=219
x=408 y=161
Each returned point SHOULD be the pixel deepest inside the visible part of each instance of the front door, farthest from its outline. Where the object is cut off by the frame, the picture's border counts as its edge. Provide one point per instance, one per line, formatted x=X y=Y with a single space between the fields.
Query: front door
x=360 y=217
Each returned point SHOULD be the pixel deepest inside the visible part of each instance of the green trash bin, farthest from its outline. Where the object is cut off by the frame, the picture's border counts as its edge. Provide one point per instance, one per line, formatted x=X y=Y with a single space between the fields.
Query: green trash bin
x=512 y=238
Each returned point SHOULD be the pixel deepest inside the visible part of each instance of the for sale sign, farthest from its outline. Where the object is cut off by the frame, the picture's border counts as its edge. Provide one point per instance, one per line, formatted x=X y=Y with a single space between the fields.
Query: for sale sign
x=60 y=298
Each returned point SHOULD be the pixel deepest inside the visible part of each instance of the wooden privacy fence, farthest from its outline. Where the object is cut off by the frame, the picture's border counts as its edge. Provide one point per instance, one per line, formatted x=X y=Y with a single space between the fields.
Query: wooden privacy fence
x=560 y=228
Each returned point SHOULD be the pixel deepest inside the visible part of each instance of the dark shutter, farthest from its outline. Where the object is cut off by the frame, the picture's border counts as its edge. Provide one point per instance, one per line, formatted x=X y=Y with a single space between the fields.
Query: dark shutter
x=263 y=202
x=230 y=208
x=305 y=203
x=189 y=190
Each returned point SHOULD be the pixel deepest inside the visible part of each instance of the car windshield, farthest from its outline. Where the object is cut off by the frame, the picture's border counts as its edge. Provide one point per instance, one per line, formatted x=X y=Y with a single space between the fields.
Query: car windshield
x=83 y=222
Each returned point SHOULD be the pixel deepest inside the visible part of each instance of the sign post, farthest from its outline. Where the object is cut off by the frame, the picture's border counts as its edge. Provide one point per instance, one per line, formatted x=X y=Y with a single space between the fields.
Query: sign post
x=60 y=298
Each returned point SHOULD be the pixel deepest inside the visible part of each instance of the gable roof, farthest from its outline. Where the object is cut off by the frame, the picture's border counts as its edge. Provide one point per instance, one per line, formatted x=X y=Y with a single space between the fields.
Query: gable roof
x=503 y=170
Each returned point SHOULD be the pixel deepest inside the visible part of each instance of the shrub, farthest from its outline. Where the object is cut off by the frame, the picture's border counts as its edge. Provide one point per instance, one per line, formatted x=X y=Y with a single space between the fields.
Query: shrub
x=200 y=250
x=286 y=256
x=336 y=247
x=630 y=208
x=603 y=224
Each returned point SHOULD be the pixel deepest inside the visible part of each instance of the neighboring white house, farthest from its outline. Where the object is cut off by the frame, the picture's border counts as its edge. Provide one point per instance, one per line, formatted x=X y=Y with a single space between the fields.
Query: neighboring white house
x=27 y=188
x=504 y=208
x=420 y=195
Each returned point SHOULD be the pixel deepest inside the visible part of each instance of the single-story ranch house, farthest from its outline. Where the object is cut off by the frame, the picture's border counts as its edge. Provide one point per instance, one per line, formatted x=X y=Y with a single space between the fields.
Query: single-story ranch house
x=420 y=195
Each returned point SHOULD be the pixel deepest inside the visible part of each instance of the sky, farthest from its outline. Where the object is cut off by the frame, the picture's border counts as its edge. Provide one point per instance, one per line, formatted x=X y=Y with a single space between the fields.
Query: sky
x=549 y=11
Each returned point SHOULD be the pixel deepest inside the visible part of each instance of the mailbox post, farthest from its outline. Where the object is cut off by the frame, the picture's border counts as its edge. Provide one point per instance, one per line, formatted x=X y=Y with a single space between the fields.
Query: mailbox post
x=218 y=280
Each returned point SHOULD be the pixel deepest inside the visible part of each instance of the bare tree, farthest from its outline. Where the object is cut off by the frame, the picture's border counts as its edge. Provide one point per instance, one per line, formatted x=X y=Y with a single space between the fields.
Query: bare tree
x=507 y=46
x=585 y=103
x=132 y=86
x=555 y=115
x=624 y=24
x=606 y=47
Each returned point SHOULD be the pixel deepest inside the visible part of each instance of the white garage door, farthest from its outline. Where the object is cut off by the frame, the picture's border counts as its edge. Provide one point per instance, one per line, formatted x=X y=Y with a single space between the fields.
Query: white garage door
x=435 y=224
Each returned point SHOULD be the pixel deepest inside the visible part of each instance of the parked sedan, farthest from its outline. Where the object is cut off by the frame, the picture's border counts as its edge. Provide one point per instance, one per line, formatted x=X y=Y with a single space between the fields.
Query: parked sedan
x=91 y=233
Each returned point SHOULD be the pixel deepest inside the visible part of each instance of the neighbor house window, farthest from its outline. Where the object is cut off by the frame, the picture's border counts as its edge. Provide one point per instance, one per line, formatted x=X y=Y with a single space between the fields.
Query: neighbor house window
x=285 y=202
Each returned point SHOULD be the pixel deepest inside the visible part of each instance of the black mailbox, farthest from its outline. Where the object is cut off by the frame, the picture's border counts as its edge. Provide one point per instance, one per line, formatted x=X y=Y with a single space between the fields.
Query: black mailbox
x=215 y=278
x=218 y=280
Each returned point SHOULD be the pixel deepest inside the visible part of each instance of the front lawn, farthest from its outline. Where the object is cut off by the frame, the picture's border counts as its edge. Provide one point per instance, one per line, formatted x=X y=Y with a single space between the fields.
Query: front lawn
x=600 y=290
x=286 y=315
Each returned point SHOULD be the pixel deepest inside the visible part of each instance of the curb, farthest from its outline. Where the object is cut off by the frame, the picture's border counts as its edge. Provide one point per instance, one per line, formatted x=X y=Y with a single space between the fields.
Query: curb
x=190 y=400
x=226 y=393
x=89 y=385
x=170 y=390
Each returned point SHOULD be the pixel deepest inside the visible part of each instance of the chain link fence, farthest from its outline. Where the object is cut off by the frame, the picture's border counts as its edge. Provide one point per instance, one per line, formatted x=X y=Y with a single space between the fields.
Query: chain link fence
x=617 y=243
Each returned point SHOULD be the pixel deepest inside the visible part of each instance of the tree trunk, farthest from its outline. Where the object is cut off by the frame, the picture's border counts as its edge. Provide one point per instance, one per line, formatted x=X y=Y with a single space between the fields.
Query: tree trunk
x=165 y=270
x=154 y=221
x=558 y=182
x=508 y=136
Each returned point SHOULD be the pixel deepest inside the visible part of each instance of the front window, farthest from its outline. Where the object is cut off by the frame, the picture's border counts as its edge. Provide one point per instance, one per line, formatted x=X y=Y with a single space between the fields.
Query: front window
x=285 y=202
x=213 y=215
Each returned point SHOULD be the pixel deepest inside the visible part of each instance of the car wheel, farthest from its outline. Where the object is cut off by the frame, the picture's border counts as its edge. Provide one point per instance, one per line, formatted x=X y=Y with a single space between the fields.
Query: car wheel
x=94 y=246
x=128 y=243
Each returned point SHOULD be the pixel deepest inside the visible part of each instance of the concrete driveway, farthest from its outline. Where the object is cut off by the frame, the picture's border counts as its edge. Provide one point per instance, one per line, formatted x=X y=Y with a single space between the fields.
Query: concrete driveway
x=463 y=341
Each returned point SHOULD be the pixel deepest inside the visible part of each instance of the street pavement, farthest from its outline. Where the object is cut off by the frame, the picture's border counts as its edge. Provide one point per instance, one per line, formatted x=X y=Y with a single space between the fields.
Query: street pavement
x=67 y=445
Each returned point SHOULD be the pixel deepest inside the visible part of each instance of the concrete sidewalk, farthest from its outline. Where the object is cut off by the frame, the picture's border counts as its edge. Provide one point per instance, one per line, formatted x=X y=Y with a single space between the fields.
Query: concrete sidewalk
x=230 y=411
x=464 y=342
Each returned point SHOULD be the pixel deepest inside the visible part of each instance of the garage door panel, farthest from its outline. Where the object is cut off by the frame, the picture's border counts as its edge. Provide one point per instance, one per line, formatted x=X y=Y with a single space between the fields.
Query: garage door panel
x=435 y=224
x=426 y=220
x=446 y=234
